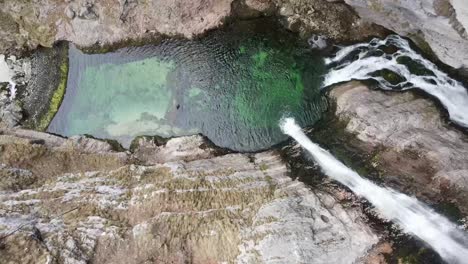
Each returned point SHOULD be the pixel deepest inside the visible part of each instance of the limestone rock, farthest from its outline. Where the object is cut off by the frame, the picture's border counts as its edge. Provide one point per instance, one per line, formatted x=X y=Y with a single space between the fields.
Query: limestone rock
x=108 y=21
x=335 y=20
x=191 y=205
x=441 y=24
x=415 y=147
x=27 y=24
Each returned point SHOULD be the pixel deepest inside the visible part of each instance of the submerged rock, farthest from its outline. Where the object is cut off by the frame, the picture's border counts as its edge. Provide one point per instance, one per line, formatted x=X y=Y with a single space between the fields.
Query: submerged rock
x=408 y=140
x=190 y=205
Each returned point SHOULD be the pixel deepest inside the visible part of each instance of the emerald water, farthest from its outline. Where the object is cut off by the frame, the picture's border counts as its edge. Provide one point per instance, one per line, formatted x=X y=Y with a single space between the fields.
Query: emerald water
x=232 y=85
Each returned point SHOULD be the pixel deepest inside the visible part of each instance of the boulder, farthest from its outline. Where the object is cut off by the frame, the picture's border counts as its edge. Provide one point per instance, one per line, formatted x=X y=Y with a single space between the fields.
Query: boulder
x=408 y=139
x=435 y=25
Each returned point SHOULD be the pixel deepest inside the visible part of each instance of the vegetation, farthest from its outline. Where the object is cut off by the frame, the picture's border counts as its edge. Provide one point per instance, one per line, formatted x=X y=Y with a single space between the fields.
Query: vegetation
x=57 y=97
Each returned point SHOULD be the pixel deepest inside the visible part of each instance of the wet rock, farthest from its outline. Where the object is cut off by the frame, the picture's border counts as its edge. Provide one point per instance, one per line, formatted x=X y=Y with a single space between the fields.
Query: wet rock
x=10 y=113
x=408 y=140
x=318 y=42
x=189 y=206
x=435 y=25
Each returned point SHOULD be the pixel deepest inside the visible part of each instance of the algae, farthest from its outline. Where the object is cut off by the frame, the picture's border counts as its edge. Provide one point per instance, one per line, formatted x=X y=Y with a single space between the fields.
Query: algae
x=57 y=97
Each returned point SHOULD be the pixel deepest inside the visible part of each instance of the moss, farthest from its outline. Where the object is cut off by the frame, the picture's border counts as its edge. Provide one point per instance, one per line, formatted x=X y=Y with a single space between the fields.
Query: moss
x=57 y=97
x=414 y=67
x=450 y=210
x=422 y=45
x=263 y=167
x=390 y=76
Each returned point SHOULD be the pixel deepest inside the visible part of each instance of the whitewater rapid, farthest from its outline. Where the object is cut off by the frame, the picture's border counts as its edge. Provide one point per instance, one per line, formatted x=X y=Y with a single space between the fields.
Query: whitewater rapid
x=362 y=61
x=411 y=215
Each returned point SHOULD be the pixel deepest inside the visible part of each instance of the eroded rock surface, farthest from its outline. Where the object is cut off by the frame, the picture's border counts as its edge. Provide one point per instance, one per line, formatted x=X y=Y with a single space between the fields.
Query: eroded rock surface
x=442 y=24
x=97 y=207
x=27 y=24
x=408 y=140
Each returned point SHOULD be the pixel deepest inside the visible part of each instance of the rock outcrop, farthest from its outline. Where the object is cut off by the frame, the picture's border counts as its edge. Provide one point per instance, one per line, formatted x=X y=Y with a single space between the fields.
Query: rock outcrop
x=408 y=140
x=437 y=25
x=78 y=201
x=27 y=24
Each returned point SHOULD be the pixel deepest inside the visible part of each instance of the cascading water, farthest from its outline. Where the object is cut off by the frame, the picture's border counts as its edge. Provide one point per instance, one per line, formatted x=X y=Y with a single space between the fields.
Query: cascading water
x=394 y=65
x=411 y=215
x=12 y=89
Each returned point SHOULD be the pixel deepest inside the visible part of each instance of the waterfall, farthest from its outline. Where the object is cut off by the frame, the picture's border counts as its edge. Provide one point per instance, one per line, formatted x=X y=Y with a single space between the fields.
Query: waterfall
x=12 y=89
x=394 y=57
x=411 y=215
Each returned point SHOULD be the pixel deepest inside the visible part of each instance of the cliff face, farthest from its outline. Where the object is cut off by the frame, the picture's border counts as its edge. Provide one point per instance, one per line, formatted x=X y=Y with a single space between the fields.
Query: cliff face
x=439 y=25
x=408 y=140
x=76 y=200
x=435 y=25
x=26 y=24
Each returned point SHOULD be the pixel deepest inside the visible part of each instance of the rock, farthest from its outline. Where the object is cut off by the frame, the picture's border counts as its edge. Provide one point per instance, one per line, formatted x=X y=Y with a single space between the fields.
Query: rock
x=10 y=113
x=408 y=140
x=191 y=205
x=318 y=42
x=87 y=12
x=110 y=22
x=69 y=12
x=150 y=151
x=437 y=25
x=377 y=254
x=101 y=21
x=335 y=20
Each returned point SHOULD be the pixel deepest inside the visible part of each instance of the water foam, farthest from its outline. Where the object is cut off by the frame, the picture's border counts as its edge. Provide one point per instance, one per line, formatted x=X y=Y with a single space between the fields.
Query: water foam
x=411 y=215
x=360 y=62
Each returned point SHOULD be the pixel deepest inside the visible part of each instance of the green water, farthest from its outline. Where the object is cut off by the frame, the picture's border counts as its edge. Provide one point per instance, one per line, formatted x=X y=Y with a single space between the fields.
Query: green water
x=233 y=86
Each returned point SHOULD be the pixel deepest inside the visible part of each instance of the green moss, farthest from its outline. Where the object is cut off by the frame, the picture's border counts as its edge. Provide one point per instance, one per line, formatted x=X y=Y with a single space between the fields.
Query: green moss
x=414 y=67
x=390 y=76
x=422 y=44
x=57 y=97
x=263 y=167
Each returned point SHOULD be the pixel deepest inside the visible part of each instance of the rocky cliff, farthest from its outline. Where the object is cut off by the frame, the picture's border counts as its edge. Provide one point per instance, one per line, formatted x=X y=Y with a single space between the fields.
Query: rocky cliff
x=78 y=201
x=408 y=139
x=437 y=25
x=27 y=24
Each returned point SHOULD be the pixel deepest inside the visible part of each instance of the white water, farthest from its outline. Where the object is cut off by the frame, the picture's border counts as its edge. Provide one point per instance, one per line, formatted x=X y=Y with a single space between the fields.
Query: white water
x=6 y=75
x=411 y=215
x=12 y=88
x=450 y=92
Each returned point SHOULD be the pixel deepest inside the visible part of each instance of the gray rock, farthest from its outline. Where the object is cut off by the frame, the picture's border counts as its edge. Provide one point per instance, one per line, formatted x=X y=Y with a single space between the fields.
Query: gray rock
x=69 y=12
x=441 y=24
x=87 y=12
x=409 y=141
x=109 y=21
x=318 y=42
x=10 y=113
x=190 y=206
